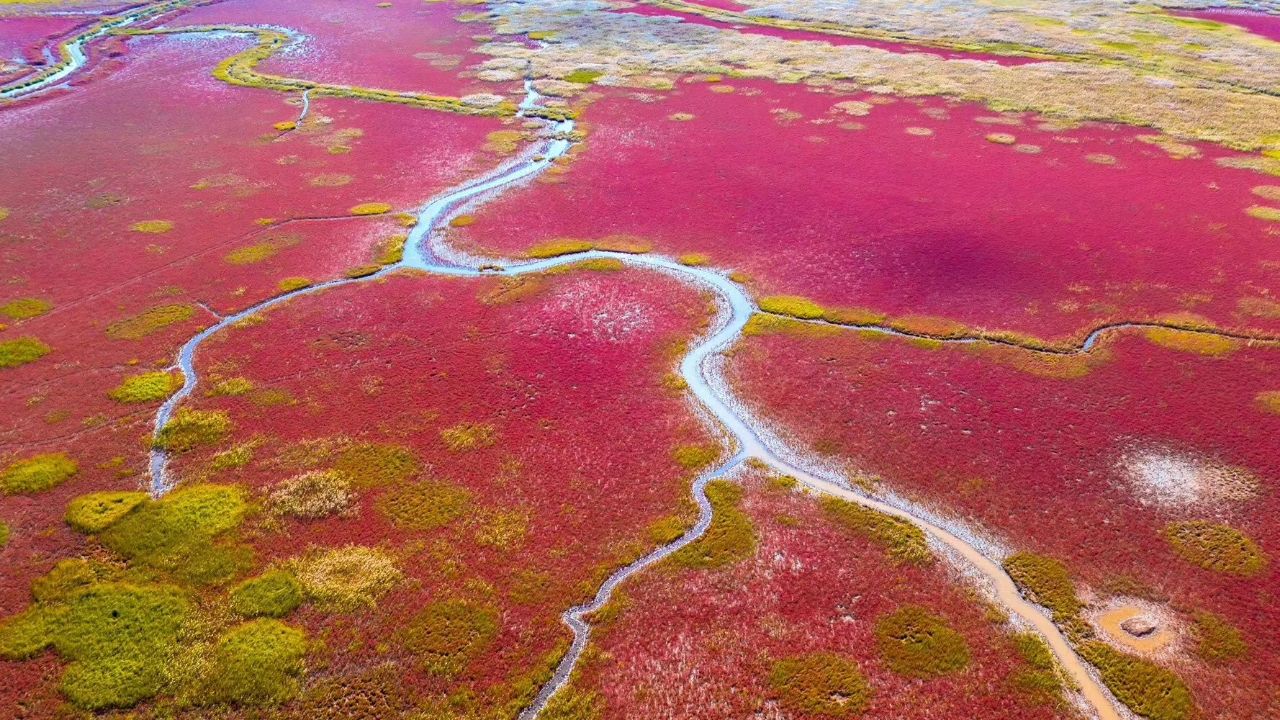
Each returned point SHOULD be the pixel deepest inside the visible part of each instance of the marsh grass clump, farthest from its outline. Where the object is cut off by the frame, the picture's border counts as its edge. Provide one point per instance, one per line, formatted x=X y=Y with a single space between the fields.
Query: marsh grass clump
x=503 y=529
x=275 y=593
x=4 y=534
x=917 y=643
x=694 y=457
x=574 y=704
x=118 y=638
x=152 y=227
x=791 y=306
x=1262 y=212
x=25 y=308
x=391 y=250
x=1046 y=582
x=904 y=542
x=583 y=77
x=469 y=436
x=313 y=494
x=1192 y=342
x=1144 y=687
x=371 y=208
x=348 y=578
x=189 y=429
x=822 y=684
x=447 y=635
x=149 y=321
x=731 y=537
x=424 y=505
x=556 y=248
x=21 y=351
x=98 y=511
x=1215 y=547
x=293 y=284
x=257 y=664
x=146 y=387
x=181 y=533
x=259 y=252
x=37 y=473
x=1215 y=640
x=231 y=387
x=370 y=465
x=1039 y=682
x=1268 y=192
x=375 y=693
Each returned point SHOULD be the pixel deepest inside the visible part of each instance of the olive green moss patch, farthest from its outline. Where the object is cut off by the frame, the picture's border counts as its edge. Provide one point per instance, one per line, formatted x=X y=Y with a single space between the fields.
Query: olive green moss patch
x=96 y=512
x=257 y=663
x=149 y=321
x=21 y=351
x=1217 y=641
x=37 y=473
x=731 y=537
x=822 y=684
x=146 y=387
x=272 y=594
x=25 y=308
x=118 y=637
x=1220 y=548
x=447 y=635
x=189 y=429
x=903 y=541
x=1046 y=582
x=916 y=643
x=1144 y=687
x=376 y=465
x=425 y=505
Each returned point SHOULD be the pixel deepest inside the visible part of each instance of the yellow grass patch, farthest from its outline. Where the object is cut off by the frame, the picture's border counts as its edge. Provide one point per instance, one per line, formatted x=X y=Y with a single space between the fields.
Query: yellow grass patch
x=1266 y=192
x=154 y=227
x=371 y=208
x=1192 y=342
x=1262 y=212
x=1269 y=401
x=149 y=321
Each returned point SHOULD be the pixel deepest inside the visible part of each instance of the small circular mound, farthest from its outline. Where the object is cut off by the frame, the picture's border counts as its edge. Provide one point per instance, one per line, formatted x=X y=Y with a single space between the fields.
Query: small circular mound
x=1002 y=138
x=37 y=473
x=917 y=643
x=1220 y=548
x=311 y=495
x=821 y=684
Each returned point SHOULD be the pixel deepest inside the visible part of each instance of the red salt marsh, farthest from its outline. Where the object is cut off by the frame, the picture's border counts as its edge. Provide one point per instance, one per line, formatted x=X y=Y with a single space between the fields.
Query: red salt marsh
x=1048 y=231
x=1259 y=23
x=705 y=642
x=1106 y=452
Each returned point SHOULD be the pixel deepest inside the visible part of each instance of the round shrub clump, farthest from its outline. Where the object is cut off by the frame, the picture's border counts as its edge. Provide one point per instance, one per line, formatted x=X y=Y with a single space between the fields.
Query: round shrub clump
x=146 y=387
x=821 y=684
x=449 y=634
x=1220 y=548
x=424 y=505
x=257 y=663
x=98 y=511
x=37 y=473
x=189 y=429
x=272 y=594
x=917 y=643
x=347 y=578
x=25 y=308
x=21 y=351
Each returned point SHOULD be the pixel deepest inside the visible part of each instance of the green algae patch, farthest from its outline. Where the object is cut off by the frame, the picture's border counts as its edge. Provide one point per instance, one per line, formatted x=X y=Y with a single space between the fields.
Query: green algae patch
x=146 y=387
x=1219 y=548
x=791 y=306
x=180 y=533
x=903 y=541
x=916 y=643
x=118 y=637
x=257 y=664
x=731 y=537
x=1046 y=582
x=424 y=505
x=822 y=684
x=469 y=436
x=1143 y=686
x=149 y=321
x=1215 y=640
x=189 y=429
x=37 y=473
x=21 y=351
x=98 y=511
x=272 y=594
x=25 y=308
x=447 y=635
x=348 y=578
x=371 y=465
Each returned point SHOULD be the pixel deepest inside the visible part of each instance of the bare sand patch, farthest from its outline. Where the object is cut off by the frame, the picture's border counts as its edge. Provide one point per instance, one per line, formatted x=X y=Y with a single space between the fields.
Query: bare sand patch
x=1137 y=625
x=1167 y=478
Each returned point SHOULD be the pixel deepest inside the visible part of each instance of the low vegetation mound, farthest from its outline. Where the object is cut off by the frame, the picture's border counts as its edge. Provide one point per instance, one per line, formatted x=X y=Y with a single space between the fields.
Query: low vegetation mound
x=272 y=594
x=25 y=308
x=149 y=321
x=257 y=663
x=37 y=473
x=1039 y=682
x=1046 y=582
x=731 y=537
x=189 y=429
x=916 y=643
x=425 y=505
x=313 y=494
x=98 y=511
x=1217 y=641
x=348 y=578
x=371 y=465
x=1144 y=687
x=146 y=387
x=904 y=542
x=1220 y=548
x=822 y=684
x=447 y=635
x=469 y=436
x=21 y=351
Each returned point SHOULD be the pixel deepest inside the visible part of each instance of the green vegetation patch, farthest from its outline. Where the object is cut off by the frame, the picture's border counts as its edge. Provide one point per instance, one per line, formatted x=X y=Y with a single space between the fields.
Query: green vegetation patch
x=903 y=541
x=118 y=637
x=21 y=351
x=347 y=578
x=146 y=387
x=1217 y=641
x=695 y=457
x=791 y=306
x=1046 y=582
x=1220 y=548
x=37 y=473
x=257 y=663
x=4 y=535
x=425 y=505
x=574 y=704
x=469 y=436
x=231 y=387
x=917 y=643
x=1144 y=687
x=25 y=308
x=731 y=537
x=822 y=684
x=181 y=533
x=149 y=321
x=583 y=77
x=272 y=594
x=1039 y=682
x=98 y=511
x=189 y=429
x=447 y=635
x=313 y=494
x=376 y=465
